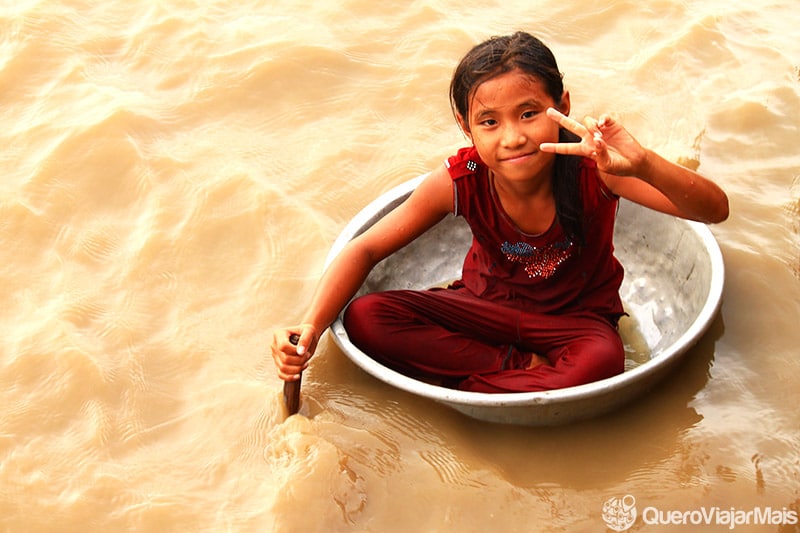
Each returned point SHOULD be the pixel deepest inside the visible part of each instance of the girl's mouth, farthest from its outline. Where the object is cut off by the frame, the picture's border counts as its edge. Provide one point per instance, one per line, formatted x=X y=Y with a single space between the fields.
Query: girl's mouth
x=518 y=158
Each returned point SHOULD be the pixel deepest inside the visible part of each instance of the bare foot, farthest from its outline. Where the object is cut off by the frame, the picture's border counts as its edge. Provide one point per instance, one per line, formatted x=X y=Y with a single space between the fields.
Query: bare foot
x=537 y=360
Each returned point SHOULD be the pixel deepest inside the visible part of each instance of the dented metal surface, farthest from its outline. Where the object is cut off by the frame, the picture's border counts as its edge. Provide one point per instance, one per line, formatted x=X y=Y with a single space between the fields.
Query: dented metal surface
x=674 y=275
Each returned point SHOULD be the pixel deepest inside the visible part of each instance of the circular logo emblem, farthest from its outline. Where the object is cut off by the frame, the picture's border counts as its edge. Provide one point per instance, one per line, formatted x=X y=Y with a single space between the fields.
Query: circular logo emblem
x=619 y=514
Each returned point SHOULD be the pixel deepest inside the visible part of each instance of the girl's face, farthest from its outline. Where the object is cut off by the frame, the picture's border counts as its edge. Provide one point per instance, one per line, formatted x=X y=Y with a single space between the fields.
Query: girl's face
x=507 y=122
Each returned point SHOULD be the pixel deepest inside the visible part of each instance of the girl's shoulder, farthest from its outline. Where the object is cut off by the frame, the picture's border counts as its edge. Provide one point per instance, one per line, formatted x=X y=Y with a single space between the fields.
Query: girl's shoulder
x=465 y=162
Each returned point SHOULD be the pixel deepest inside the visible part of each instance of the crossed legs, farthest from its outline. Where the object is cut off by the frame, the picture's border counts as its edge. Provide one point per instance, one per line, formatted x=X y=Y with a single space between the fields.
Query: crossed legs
x=480 y=346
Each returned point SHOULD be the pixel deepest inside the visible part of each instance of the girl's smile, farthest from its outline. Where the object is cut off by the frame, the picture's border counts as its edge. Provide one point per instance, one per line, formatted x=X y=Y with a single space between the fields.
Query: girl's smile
x=518 y=159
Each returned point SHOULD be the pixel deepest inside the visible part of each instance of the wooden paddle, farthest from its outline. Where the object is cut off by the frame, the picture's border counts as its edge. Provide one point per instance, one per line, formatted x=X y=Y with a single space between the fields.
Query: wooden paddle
x=291 y=389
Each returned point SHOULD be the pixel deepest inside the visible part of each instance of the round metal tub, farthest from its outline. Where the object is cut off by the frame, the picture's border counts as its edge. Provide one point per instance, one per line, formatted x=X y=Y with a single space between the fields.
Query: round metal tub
x=674 y=275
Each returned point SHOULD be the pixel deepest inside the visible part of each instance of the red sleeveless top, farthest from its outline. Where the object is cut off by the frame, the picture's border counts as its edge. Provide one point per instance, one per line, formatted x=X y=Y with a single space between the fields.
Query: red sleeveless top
x=544 y=273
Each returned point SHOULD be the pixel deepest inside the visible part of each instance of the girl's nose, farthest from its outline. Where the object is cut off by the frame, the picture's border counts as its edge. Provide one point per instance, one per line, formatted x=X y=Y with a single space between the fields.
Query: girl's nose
x=513 y=136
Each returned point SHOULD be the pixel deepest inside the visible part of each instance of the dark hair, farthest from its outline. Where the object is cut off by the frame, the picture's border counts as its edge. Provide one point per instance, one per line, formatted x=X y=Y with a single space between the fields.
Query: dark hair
x=525 y=52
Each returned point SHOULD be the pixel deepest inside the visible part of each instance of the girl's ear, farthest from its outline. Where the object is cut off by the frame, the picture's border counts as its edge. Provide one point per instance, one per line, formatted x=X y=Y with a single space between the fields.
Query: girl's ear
x=565 y=105
x=464 y=125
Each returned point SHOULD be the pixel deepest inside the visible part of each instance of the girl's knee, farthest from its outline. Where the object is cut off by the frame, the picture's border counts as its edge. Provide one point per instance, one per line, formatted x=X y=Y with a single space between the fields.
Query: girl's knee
x=356 y=309
x=358 y=316
x=592 y=360
x=371 y=319
x=608 y=352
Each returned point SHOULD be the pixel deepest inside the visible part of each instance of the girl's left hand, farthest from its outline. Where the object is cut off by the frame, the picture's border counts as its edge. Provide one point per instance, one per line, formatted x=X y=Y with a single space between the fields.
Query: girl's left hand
x=605 y=141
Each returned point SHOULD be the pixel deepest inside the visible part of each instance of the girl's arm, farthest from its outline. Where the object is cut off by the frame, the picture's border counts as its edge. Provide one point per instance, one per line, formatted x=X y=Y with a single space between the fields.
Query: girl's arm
x=427 y=205
x=641 y=175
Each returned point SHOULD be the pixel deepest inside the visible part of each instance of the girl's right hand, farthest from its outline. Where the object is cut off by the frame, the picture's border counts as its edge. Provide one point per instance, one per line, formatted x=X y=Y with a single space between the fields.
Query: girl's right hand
x=291 y=360
x=605 y=141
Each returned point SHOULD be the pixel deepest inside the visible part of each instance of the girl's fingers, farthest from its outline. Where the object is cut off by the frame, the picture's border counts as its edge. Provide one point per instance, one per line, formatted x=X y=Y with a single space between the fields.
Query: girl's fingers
x=289 y=376
x=605 y=121
x=290 y=367
x=562 y=148
x=307 y=341
x=292 y=359
x=563 y=120
x=589 y=132
x=304 y=342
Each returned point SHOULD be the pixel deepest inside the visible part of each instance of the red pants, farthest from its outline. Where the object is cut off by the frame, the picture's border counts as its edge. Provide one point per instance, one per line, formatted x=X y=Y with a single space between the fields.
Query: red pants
x=475 y=345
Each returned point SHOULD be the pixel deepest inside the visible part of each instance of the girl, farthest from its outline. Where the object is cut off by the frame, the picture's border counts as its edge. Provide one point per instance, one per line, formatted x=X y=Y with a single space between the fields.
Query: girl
x=538 y=302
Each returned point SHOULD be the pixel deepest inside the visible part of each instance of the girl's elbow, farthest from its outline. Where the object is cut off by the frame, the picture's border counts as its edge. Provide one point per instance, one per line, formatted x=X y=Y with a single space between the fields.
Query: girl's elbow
x=724 y=212
x=361 y=255
x=720 y=213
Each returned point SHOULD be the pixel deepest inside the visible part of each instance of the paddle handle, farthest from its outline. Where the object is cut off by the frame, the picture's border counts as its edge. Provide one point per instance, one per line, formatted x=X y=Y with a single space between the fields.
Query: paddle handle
x=291 y=389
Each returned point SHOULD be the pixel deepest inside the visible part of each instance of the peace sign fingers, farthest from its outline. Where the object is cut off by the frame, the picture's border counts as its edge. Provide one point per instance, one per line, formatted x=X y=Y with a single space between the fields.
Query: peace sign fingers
x=566 y=122
x=587 y=146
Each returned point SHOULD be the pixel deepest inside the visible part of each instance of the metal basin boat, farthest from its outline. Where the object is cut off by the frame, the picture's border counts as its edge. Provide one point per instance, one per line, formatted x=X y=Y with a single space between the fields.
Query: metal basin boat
x=674 y=275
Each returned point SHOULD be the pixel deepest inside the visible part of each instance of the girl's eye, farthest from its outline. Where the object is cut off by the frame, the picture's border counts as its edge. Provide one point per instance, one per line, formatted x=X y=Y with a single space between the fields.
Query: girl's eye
x=528 y=114
x=489 y=122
